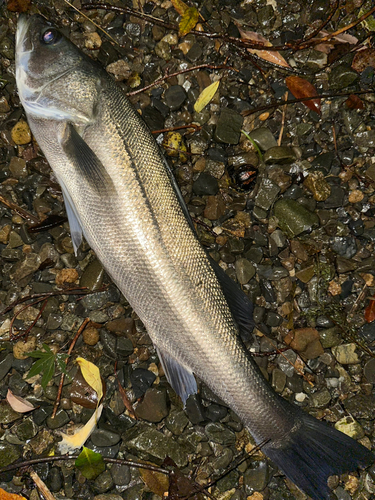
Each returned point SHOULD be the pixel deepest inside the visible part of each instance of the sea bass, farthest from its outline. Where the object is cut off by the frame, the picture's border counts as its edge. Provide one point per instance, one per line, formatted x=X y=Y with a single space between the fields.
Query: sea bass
x=120 y=194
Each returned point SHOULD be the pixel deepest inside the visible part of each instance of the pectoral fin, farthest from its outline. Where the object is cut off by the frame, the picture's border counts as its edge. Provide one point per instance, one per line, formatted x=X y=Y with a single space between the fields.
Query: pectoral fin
x=85 y=161
x=180 y=378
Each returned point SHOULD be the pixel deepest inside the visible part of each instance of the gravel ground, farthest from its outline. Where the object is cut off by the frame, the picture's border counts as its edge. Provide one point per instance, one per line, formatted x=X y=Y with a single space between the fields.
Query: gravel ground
x=291 y=220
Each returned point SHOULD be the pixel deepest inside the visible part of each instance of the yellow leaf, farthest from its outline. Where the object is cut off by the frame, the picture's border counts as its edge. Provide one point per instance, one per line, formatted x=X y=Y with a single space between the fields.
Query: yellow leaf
x=71 y=442
x=180 y=6
x=205 y=96
x=91 y=374
x=189 y=20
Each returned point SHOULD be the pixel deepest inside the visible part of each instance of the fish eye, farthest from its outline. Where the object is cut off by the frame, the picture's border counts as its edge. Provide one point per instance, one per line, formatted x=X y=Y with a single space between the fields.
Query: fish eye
x=50 y=36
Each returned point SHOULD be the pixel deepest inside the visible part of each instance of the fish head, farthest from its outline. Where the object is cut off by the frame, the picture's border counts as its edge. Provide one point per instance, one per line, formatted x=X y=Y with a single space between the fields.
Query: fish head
x=55 y=80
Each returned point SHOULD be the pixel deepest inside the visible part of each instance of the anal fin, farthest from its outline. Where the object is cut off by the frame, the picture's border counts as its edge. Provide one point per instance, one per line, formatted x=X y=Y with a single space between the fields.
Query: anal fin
x=180 y=378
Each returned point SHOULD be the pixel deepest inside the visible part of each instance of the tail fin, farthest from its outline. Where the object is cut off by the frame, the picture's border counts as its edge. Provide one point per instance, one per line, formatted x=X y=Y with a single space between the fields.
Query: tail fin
x=315 y=451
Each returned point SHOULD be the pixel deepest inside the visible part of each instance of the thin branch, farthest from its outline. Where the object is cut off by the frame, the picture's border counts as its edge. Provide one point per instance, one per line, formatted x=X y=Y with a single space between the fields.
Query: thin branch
x=20 y=211
x=71 y=347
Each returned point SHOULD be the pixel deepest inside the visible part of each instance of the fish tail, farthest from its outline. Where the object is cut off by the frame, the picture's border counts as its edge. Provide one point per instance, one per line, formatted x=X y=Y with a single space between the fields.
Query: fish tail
x=314 y=451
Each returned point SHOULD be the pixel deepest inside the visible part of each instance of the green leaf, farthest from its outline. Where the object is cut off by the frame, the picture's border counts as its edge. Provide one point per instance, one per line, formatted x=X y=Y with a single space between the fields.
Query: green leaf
x=90 y=464
x=46 y=364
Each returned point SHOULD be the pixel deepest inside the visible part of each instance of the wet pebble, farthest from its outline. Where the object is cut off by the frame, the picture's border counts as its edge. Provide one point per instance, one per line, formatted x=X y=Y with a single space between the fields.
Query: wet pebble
x=153 y=407
x=342 y=76
x=141 y=380
x=369 y=370
x=350 y=427
x=267 y=194
x=286 y=362
x=346 y=354
x=218 y=433
x=102 y=437
x=278 y=380
x=244 y=270
x=92 y=276
x=174 y=97
x=120 y=474
x=176 y=422
x=280 y=155
x=205 y=184
x=103 y=482
x=306 y=341
x=21 y=133
x=264 y=138
x=61 y=419
x=8 y=453
x=228 y=127
x=294 y=218
x=256 y=477
x=317 y=184
x=360 y=406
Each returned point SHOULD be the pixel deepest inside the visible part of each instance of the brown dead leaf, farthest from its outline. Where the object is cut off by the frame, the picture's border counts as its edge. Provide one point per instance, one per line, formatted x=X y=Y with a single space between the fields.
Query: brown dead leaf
x=354 y=102
x=363 y=59
x=157 y=482
x=18 y=404
x=271 y=56
x=18 y=5
x=301 y=88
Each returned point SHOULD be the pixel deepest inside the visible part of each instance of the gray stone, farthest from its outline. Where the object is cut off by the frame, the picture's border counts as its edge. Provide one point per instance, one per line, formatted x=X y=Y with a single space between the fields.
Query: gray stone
x=244 y=270
x=346 y=354
x=8 y=453
x=5 y=365
x=280 y=155
x=153 y=407
x=267 y=194
x=256 y=477
x=176 y=422
x=92 y=276
x=228 y=127
x=278 y=380
x=174 y=97
x=205 y=185
x=61 y=418
x=293 y=218
x=219 y=434
x=120 y=474
x=361 y=406
x=153 y=445
x=103 y=437
x=342 y=76
x=264 y=138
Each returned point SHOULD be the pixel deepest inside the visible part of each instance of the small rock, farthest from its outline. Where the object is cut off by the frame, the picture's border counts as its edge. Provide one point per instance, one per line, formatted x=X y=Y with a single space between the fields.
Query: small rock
x=306 y=341
x=4 y=106
x=174 y=97
x=91 y=335
x=280 y=155
x=17 y=167
x=92 y=276
x=215 y=207
x=278 y=380
x=7 y=415
x=286 y=362
x=369 y=371
x=320 y=399
x=103 y=437
x=93 y=41
x=256 y=477
x=176 y=422
x=23 y=268
x=218 y=433
x=21 y=133
x=264 y=138
x=4 y=233
x=153 y=407
x=350 y=427
x=141 y=380
x=294 y=218
x=120 y=475
x=244 y=270
x=355 y=196
x=266 y=194
x=342 y=76
x=66 y=276
x=119 y=69
x=346 y=354
x=319 y=187
x=228 y=127
x=360 y=406
x=8 y=453
x=22 y=348
x=205 y=184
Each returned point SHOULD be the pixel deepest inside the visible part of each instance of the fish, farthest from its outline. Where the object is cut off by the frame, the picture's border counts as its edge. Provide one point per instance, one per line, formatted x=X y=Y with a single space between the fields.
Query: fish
x=120 y=195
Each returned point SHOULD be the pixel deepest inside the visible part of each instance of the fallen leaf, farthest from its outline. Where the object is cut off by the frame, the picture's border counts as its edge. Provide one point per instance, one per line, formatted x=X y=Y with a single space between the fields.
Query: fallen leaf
x=301 y=88
x=370 y=311
x=18 y=5
x=180 y=6
x=71 y=442
x=363 y=59
x=271 y=56
x=90 y=463
x=157 y=482
x=188 y=21
x=82 y=393
x=354 y=102
x=206 y=96
x=4 y=495
x=91 y=374
x=18 y=404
